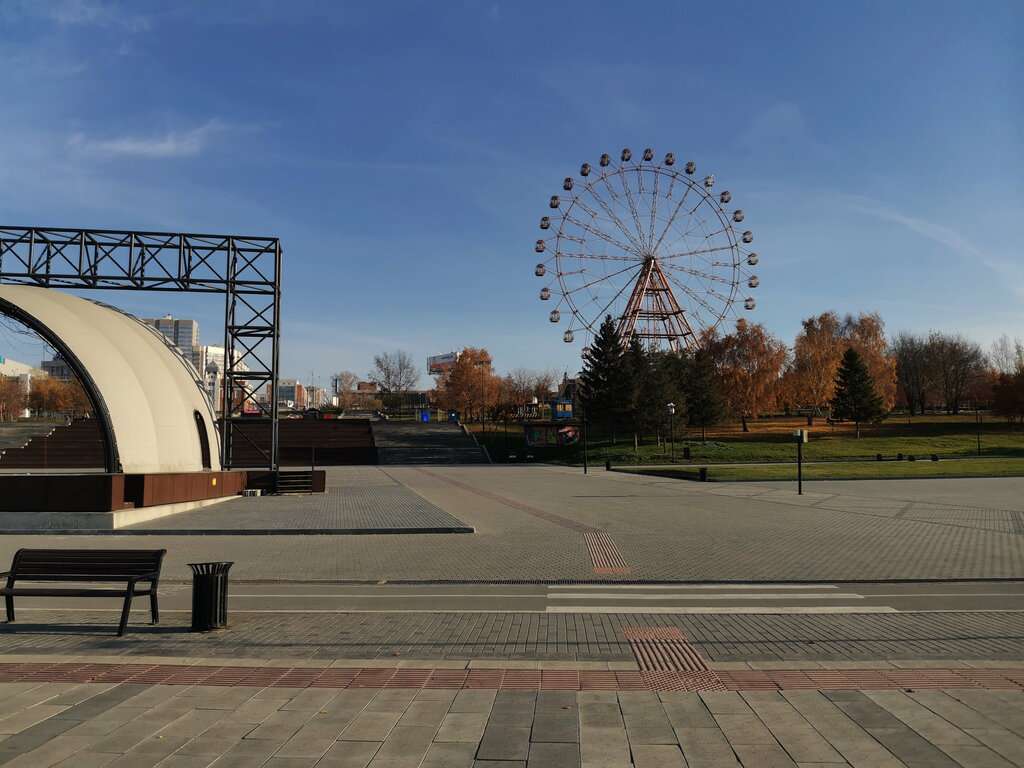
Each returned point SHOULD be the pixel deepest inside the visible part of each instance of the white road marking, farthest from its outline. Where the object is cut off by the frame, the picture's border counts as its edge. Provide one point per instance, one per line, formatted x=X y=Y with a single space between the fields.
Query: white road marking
x=730 y=596
x=721 y=609
x=404 y=596
x=630 y=587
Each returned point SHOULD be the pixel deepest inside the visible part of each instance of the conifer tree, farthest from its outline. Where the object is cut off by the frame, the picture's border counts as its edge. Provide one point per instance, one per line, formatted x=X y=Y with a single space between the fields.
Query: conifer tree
x=605 y=387
x=704 y=402
x=855 y=397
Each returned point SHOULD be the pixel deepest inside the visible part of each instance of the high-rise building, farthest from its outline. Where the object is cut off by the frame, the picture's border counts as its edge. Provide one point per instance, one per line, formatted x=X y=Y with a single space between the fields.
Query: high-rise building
x=183 y=334
x=291 y=394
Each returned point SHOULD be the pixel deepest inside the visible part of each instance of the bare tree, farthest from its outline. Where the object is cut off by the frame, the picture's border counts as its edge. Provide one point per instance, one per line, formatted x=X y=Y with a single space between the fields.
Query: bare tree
x=544 y=384
x=957 y=363
x=394 y=372
x=914 y=369
x=344 y=383
x=1007 y=356
x=519 y=383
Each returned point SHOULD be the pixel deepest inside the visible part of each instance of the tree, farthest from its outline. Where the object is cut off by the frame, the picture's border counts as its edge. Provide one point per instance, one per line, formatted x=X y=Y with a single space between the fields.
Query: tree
x=345 y=388
x=12 y=398
x=956 y=364
x=604 y=384
x=816 y=354
x=1007 y=356
x=855 y=397
x=469 y=386
x=1008 y=396
x=914 y=370
x=749 y=364
x=704 y=403
x=394 y=372
x=866 y=334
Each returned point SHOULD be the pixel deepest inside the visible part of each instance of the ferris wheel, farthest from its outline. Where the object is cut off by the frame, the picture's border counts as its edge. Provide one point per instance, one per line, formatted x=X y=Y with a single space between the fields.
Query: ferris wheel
x=649 y=243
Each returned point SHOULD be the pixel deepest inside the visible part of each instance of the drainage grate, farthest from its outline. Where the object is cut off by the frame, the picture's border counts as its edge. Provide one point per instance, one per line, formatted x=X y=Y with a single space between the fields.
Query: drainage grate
x=604 y=553
x=664 y=649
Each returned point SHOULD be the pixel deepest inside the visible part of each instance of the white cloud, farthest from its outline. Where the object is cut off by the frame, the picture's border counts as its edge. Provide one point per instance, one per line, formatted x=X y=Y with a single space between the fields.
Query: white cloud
x=172 y=144
x=1008 y=270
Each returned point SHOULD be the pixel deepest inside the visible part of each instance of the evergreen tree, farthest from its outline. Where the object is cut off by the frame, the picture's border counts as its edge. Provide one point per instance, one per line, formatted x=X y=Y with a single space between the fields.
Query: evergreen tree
x=704 y=402
x=605 y=387
x=638 y=369
x=855 y=397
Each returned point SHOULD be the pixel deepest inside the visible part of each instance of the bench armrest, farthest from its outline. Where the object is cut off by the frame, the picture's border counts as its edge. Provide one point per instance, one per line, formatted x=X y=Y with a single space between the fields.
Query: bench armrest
x=145 y=577
x=5 y=573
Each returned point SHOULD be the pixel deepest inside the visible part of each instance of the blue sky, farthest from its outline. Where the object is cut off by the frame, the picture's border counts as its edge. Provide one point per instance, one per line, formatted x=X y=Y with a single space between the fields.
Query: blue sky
x=403 y=151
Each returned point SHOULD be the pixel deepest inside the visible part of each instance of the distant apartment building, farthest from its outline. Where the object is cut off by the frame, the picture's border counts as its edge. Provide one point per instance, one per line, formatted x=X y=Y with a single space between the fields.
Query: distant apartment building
x=57 y=368
x=291 y=394
x=183 y=334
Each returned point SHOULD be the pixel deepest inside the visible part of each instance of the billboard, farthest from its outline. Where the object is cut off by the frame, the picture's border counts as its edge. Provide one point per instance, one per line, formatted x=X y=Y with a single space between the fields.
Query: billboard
x=439 y=364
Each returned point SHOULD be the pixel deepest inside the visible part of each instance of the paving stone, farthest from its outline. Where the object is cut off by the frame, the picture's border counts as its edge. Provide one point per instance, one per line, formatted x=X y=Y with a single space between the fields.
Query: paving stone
x=921 y=719
x=405 y=746
x=604 y=747
x=855 y=744
x=504 y=742
x=800 y=740
x=706 y=747
x=976 y=757
x=745 y=729
x=370 y=726
x=554 y=756
x=349 y=754
x=911 y=748
x=467 y=727
x=763 y=756
x=1005 y=743
x=952 y=710
x=473 y=701
x=556 y=727
x=449 y=756
x=425 y=712
x=658 y=756
x=724 y=703
x=686 y=710
x=281 y=725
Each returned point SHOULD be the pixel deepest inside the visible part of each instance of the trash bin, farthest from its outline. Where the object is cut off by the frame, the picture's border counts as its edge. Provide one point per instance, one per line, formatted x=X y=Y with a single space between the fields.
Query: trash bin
x=209 y=595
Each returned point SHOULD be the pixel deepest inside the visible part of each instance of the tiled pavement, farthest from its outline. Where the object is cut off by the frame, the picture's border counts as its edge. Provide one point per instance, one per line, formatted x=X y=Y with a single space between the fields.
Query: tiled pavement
x=531 y=524
x=190 y=726
x=565 y=636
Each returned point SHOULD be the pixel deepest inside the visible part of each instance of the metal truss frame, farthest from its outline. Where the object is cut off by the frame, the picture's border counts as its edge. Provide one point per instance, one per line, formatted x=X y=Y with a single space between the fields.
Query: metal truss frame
x=246 y=270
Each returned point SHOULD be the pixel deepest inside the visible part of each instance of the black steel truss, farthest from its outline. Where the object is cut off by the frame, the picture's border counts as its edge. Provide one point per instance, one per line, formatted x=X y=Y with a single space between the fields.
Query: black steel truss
x=247 y=270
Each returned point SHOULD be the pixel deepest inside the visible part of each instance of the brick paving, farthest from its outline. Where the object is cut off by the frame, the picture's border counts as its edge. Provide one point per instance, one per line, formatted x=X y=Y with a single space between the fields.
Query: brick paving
x=137 y=724
x=359 y=502
x=552 y=636
x=530 y=522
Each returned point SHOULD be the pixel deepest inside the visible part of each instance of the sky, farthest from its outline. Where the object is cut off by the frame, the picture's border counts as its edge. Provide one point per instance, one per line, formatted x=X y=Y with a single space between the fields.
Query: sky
x=404 y=151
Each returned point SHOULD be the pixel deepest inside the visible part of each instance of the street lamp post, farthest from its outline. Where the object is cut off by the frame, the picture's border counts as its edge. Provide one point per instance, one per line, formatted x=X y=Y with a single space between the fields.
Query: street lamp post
x=583 y=423
x=672 y=428
x=977 y=419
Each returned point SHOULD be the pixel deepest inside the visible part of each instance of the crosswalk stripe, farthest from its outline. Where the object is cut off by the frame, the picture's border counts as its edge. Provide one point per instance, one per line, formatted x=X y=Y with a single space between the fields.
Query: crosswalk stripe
x=643 y=587
x=724 y=596
x=738 y=609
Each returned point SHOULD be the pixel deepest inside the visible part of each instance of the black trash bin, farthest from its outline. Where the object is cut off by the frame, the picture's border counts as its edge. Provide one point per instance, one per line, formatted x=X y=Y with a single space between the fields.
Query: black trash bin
x=209 y=595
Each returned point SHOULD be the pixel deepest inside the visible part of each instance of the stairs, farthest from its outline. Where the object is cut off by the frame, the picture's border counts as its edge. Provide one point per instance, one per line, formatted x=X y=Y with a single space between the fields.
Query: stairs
x=413 y=442
x=296 y=481
x=78 y=445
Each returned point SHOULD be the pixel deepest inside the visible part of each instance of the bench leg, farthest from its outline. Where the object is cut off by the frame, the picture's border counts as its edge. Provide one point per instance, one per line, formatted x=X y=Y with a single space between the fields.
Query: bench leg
x=154 y=606
x=9 y=600
x=127 y=607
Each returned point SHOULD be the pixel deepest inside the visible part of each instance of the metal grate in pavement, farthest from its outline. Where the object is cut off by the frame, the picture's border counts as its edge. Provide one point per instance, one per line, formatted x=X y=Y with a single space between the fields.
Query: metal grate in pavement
x=604 y=553
x=663 y=649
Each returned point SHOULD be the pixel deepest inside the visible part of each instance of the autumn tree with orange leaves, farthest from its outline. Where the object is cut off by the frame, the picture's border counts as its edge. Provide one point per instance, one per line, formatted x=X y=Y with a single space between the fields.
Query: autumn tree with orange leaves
x=749 y=364
x=469 y=386
x=809 y=381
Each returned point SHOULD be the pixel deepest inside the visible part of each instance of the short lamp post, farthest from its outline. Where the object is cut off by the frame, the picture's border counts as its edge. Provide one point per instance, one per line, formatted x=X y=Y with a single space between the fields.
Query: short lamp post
x=800 y=436
x=672 y=428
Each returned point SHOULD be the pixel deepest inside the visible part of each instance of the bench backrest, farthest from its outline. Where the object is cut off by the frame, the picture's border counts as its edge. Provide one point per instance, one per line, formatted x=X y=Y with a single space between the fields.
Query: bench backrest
x=52 y=564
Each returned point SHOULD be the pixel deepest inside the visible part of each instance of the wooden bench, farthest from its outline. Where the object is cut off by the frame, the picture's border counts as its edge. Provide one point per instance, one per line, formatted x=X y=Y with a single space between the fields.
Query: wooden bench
x=130 y=566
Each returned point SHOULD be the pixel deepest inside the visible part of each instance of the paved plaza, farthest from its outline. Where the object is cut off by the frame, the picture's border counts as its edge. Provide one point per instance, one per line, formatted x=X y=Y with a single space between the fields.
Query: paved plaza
x=536 y=523
x=137 y=724
x=600 y=621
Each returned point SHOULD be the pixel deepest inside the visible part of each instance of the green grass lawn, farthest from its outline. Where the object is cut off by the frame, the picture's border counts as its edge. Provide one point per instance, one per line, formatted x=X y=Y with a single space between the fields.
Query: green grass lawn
x=847 y=470
x=948 y=437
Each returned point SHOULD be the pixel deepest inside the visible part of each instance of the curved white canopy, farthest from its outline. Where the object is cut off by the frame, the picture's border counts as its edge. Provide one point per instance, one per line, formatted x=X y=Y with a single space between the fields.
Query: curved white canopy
x=149 y=393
